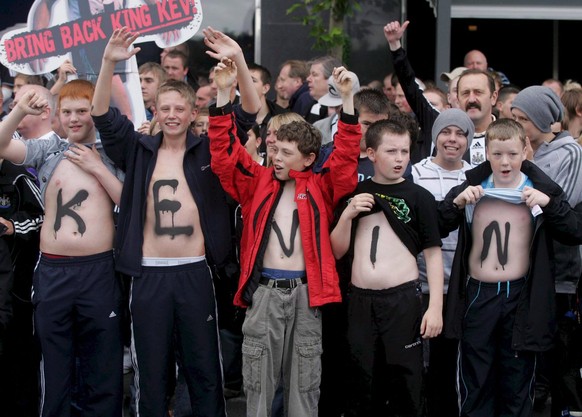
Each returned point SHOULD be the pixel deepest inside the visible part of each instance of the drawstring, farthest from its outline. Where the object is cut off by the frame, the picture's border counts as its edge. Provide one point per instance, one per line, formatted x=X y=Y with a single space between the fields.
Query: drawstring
x=506 y=288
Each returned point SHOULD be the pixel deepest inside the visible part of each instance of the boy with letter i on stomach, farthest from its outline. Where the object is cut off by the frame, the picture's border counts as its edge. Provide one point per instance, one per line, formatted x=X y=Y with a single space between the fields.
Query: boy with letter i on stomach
x=384 y=227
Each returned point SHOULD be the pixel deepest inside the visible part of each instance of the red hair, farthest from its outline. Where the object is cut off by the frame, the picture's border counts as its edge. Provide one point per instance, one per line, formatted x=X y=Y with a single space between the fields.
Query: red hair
x=77 y=89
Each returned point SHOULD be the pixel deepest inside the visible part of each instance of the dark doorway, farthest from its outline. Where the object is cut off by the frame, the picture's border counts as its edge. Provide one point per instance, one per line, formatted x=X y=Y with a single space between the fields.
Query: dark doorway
x=522 y=49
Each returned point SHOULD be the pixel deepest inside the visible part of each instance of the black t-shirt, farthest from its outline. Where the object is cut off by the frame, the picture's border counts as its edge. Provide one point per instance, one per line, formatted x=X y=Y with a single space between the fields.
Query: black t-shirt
x=410 y=209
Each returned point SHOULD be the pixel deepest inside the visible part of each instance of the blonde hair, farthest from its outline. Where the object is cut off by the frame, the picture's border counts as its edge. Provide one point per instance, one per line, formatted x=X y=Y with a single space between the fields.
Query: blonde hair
x=505 y=129
x=279 y=120
x=282 y=119
x=181 y=88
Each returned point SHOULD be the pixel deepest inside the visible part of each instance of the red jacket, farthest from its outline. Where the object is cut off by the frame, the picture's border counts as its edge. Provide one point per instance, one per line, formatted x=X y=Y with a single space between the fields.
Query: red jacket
x=257 y=190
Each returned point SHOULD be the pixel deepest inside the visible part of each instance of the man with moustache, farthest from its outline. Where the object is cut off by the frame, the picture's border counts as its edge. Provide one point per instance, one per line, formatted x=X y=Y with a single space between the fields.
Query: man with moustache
x=477 y=97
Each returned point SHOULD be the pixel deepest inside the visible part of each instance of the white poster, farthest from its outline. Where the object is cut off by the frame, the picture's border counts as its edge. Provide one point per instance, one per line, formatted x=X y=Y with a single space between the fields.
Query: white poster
x=78 y=30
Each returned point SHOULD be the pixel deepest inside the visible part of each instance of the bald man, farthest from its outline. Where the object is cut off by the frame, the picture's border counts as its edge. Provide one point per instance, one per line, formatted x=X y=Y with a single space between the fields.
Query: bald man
x=476 y=59
x=36 y=126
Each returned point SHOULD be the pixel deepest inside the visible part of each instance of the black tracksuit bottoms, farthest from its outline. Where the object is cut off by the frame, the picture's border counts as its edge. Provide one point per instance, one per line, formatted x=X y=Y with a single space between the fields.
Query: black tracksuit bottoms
x=77 y=314
x=176 y=303
x=494 y=380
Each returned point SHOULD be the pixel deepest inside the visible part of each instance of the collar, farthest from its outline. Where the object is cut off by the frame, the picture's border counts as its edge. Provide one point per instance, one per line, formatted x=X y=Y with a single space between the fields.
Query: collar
x=153 y=143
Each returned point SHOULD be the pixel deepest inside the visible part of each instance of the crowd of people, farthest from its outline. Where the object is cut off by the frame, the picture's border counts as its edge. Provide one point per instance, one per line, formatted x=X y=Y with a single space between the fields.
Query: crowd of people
x=329 y=248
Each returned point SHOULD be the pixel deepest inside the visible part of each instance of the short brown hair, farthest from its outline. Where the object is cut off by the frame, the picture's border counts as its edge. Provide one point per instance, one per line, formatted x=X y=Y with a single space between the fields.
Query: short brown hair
x=504 y=129
x=373 y=101
x=174 y=53
x=297 y=69
x=473 y=71
x=307 y=137
x=181 y=88
x=378 y=129
x=572 y=101
x=155 y=69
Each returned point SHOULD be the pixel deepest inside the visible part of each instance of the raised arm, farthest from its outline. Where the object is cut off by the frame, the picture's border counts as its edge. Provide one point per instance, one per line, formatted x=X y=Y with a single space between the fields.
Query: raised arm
x=230 y=161
x=30 y=103
x=424 y=111
x=343 y=162
x=65 y=69
x=224 y=76
x=223 y=46
x=344 y=80
x=393 y=32
x=117 y=49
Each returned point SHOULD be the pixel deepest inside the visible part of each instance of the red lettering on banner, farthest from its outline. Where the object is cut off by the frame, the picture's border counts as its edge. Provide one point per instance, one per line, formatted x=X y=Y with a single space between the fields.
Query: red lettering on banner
x=14 y=49
x=115 y=23
x=29 y=45
x=174 y=12
x=168 y=10
x=78 y=35
x=135 y=19
x=162 y=12
x=169 y=15
x=97 y=29
x=66 y=37
x=87 y=31
x=186 y=6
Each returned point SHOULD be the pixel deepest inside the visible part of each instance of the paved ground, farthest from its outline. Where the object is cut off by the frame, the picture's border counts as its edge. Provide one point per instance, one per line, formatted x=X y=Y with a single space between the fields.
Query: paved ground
x=235 y=407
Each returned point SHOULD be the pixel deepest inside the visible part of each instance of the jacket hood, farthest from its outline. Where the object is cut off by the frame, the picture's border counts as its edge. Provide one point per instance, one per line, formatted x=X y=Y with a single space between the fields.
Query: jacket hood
x=561 y=139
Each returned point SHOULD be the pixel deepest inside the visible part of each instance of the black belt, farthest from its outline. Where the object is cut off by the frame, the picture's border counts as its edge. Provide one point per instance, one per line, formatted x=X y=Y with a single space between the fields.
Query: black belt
x=282 y=283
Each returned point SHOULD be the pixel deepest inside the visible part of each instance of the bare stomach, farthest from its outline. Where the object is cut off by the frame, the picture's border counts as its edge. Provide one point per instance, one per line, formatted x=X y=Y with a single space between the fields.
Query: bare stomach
x=381 y=260
x=502 y=234
x=157 y=245
x=69 y=240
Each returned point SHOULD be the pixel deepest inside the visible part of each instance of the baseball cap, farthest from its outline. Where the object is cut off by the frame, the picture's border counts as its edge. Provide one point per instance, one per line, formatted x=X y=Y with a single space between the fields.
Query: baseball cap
x=448 y=76
x=333 y=97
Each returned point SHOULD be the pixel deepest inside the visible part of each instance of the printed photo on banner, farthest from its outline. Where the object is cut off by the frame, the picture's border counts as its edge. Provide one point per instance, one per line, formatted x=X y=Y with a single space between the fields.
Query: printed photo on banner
x=78 y=30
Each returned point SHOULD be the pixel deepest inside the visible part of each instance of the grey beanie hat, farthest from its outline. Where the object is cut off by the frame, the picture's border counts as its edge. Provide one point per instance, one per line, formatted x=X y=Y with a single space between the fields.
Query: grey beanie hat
x=541 y=105
x=453 y=117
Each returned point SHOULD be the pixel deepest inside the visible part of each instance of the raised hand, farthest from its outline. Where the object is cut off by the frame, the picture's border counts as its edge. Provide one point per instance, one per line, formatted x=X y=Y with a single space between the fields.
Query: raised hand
x=117 y=48
x=225 y=74
x=393 y=32
x=32 y=103
x=221 y=45
x=344 y=80
x=65 y=69
x=144 y=129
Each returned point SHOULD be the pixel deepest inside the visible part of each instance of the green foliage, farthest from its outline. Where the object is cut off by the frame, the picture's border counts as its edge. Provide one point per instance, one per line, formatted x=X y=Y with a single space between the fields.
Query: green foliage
x=328 y=37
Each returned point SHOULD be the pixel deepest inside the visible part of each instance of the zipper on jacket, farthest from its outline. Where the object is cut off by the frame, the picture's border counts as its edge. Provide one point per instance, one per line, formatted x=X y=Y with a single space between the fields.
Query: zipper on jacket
x=317 y=230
